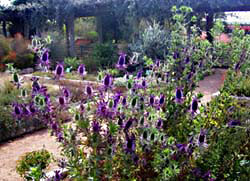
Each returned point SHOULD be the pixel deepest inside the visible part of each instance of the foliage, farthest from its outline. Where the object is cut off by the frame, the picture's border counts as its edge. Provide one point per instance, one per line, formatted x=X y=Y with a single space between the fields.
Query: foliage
x=153 y=41
x=4 y=47
x=229 y=53
x=31 y=165
x=104 y=55
x=10 y=126
x=71 y=63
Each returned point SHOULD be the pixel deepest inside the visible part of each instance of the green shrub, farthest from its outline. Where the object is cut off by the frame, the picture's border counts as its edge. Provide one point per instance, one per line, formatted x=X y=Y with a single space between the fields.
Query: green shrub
x=36 y=159
x=72 y=63
x=237 y=85
x=20 y=61
x=92 y=35
x=105 y=55
x=4 y=47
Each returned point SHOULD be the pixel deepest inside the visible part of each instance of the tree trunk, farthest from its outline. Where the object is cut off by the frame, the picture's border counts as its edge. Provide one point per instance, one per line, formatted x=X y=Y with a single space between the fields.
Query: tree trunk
x=4 y=29
x=99 y=28
x=209 y=26
x=67 y=38
x=26 y=29
x=70 y=27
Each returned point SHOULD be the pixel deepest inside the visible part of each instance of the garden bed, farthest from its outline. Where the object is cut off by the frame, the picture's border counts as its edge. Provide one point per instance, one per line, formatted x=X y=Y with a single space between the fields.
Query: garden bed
x=9 y=134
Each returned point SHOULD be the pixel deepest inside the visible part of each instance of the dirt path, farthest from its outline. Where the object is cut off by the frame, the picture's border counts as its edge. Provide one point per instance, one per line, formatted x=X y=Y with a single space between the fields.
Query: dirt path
x=11 y=151
x=211 y=84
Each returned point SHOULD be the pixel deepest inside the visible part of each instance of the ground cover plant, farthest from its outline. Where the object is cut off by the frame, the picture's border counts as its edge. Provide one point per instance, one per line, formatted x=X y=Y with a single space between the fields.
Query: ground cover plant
x=157 y=129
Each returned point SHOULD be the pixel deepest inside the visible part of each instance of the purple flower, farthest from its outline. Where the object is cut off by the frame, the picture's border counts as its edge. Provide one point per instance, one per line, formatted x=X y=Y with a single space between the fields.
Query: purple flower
x=202 y=138
x=130 y=144
x=128 y=124
x=159 y=123
x=89 y=90
x=17 y=110
x=176 y=55
x=96 y=126
x=121 y=64
x=144 y=84
x=25 y=111
x=107 y=81
x=139 y=75
x=66 y=93
x=234 y=123
x=59 y=72
x=194 y=105
x=182 y=147
x=62 y=101
x=45 y=57
x=187 y=60
x=81 y=70
x=124 y=101
x=162 y=99
x=58 y=176
x=151 y=100
x=178 y=95
x=157 y=63
x=32 y=108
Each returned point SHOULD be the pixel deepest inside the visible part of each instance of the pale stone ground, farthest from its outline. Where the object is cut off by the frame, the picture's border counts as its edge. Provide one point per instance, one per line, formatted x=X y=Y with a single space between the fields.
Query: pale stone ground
x=12 y=150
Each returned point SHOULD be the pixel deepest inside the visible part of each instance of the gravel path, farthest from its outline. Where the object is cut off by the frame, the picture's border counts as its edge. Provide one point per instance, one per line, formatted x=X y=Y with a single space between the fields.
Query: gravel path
x=11 y=151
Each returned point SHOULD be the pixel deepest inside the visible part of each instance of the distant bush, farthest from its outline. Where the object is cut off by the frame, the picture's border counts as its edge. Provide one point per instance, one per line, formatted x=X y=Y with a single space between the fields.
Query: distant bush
x=4 y=47
x=58 y=50
x=105 y=55
x=152 y=41
x=20 y=61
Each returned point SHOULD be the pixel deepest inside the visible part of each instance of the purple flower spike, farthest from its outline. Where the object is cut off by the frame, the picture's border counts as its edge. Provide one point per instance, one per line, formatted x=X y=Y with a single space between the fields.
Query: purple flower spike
x=81 y=70
x=107 y=81
x=66 y=93
x=234 y=123
x=181 y=147
x=178 y=95
x=162 y=99
x=17 y=110
x=157 y=63
x=32 y=108
x=89 y=91
x=57 y=176
x=59 y=72
x=194 y=105
x=62 y=101
x=130 y=144
x=139 y=75
x=124 y=101
x=202 y=139
x=151 y=100
x=26 y=111
x=45 y=57
x=121 y=64
x=96 y=126
x=159 y=123
x=144 y=84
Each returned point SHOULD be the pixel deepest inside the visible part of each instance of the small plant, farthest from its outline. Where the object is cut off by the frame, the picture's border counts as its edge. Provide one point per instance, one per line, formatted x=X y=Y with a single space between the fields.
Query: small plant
x=31 y=165
x=71 y=63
